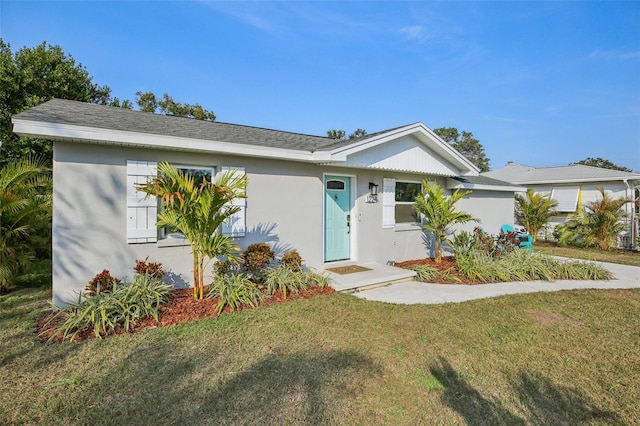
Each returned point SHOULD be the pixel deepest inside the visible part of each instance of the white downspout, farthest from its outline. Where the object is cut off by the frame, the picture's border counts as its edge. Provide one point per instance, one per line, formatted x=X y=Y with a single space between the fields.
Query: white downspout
x=633 y=210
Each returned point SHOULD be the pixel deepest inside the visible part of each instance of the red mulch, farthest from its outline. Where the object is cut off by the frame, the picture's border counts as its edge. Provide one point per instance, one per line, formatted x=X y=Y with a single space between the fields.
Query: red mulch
x=181 y=307
x=447 y=263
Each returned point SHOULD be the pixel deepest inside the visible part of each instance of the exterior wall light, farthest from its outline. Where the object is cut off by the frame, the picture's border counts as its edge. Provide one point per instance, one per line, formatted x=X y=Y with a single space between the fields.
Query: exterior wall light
x=373 y=193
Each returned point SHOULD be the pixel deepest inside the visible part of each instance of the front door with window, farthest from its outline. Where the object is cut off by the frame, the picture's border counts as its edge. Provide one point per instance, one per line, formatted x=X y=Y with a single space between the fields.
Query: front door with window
x=337 y=218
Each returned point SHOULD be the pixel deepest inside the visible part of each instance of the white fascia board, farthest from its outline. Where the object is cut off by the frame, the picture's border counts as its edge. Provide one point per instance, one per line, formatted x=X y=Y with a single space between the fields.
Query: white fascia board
x=454 y=184
x=120 y=137
x=342 y=152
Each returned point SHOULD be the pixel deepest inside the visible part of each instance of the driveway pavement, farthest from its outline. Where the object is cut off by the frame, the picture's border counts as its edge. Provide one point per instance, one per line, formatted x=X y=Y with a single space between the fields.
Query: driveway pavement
x=414 y=292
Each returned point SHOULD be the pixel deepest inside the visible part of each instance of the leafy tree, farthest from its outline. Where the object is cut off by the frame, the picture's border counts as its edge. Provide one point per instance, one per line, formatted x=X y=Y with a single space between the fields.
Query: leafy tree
x=149 y=102
x=439 y=213
x=25 y=211
x=466 y=145
x=198 y=211
x=599 y=226
x=534 y=210
x=31 y=76
x=342 y=135
x=602 y=163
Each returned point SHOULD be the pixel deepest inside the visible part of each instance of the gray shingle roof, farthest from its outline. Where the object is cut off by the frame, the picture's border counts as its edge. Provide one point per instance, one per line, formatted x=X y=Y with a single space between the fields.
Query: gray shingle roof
x=61 y=111
x=520 y=174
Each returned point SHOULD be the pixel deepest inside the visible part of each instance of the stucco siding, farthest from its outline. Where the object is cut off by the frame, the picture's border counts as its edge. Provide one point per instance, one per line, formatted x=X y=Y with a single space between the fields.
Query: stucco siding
x=284 y=208
x=492 y=208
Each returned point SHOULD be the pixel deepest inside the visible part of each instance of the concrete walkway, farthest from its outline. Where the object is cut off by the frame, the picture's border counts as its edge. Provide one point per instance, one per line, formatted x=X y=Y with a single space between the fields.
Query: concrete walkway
x=423 y=293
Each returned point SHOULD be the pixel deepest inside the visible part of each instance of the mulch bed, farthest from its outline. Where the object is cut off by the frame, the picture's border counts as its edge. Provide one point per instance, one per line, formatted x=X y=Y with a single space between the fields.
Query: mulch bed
x=448 y=263
x=181 y=307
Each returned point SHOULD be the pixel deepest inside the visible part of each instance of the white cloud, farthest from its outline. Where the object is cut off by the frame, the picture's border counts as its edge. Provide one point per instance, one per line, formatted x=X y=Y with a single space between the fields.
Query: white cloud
x=614 y=54
x=415 y=32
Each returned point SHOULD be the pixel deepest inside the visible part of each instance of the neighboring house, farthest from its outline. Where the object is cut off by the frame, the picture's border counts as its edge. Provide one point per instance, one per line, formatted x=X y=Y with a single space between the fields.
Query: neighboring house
x=311 y=193
x=572 y=187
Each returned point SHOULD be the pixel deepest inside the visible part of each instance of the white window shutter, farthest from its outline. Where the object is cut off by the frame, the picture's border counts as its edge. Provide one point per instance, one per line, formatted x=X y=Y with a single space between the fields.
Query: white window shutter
x=235 y=225
x=388 y=203
x=567 y=198
x=142 y=212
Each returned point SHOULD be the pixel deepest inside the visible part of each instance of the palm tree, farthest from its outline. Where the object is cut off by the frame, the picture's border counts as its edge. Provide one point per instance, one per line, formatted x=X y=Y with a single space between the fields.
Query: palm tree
x=25 y=210
x=198 y=211
x=439 y=213
x=534 y=210
x=602 y=220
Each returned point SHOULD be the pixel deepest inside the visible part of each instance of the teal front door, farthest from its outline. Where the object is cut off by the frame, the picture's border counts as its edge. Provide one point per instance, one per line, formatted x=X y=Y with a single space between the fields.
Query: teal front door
x=337 y=202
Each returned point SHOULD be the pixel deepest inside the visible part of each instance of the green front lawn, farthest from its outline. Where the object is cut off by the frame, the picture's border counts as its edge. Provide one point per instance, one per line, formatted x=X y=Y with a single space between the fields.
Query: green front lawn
x=625 y=257
x=545 y=358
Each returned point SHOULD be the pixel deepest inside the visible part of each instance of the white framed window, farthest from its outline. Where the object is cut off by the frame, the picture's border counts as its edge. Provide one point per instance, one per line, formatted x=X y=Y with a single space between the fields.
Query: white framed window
x=199 y=174
x=142 y=211
x=398 y=201
x=405 y=196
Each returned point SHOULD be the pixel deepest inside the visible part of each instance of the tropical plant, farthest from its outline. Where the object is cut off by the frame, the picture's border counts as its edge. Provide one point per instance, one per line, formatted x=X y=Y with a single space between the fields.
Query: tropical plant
x=284 y=279
x=292 y=260
x=533 y=211
x=599 y=226
x=198 y=211
x=152 y=269
x=257 y=257
x=520 y=265
x=439 y=213
x=101 y=283
x=234 y=290
x=106 y=312
x=25 y=215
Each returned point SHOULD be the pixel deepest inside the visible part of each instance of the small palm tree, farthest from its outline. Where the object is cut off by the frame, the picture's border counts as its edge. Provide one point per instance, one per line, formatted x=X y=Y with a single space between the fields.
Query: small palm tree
x=603 y=220
x=25 y=210
x=534 y=210
x=599 y=226
x=439 y=213
x=198 y=211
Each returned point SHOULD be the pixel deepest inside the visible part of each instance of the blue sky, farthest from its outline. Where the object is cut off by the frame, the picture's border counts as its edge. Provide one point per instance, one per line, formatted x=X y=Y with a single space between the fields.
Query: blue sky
x=538 y=83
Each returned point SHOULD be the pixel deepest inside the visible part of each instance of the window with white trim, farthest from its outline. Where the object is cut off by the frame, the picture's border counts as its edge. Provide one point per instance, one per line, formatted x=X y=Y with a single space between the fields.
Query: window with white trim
x=142 y=210
x=199 y=175
x=398 y=201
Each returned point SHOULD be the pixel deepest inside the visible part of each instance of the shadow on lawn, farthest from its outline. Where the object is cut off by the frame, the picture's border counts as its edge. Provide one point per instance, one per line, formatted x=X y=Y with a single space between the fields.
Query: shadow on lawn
x=544 y=402
x=285 y=389
x=157 y=385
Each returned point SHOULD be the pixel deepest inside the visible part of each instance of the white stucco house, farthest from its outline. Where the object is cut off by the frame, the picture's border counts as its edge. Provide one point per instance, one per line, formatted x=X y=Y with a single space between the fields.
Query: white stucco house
x=573 y=186
x=310 y=193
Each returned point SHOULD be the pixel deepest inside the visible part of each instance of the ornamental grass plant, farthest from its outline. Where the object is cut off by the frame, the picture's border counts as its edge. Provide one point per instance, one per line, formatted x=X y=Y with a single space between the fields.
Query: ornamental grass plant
x=105 y=313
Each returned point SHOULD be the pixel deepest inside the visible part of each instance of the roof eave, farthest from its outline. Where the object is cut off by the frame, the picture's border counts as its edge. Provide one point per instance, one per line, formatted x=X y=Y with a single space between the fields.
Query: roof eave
x=455 y=184
x=76 y=133
x=582 y=180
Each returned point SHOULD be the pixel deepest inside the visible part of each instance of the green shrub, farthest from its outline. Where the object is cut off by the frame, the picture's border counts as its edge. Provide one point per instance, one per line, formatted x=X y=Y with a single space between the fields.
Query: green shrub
x=520 y=265
x=106 y=312
x=234 y=290
x=463 y=242
x=288 y=281
x=284 y=279
x=152 y=269
x=101 y=283
x=425 y=272
x=257 y=257
x=222 y=268
x=292 y=260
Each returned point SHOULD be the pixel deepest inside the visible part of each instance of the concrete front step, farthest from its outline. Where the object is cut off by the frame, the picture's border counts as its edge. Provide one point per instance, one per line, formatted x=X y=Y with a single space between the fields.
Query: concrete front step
x=378 y=275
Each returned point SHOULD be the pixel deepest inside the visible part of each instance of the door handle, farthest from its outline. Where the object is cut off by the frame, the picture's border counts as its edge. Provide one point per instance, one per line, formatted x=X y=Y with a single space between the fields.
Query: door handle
x=348 y=224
